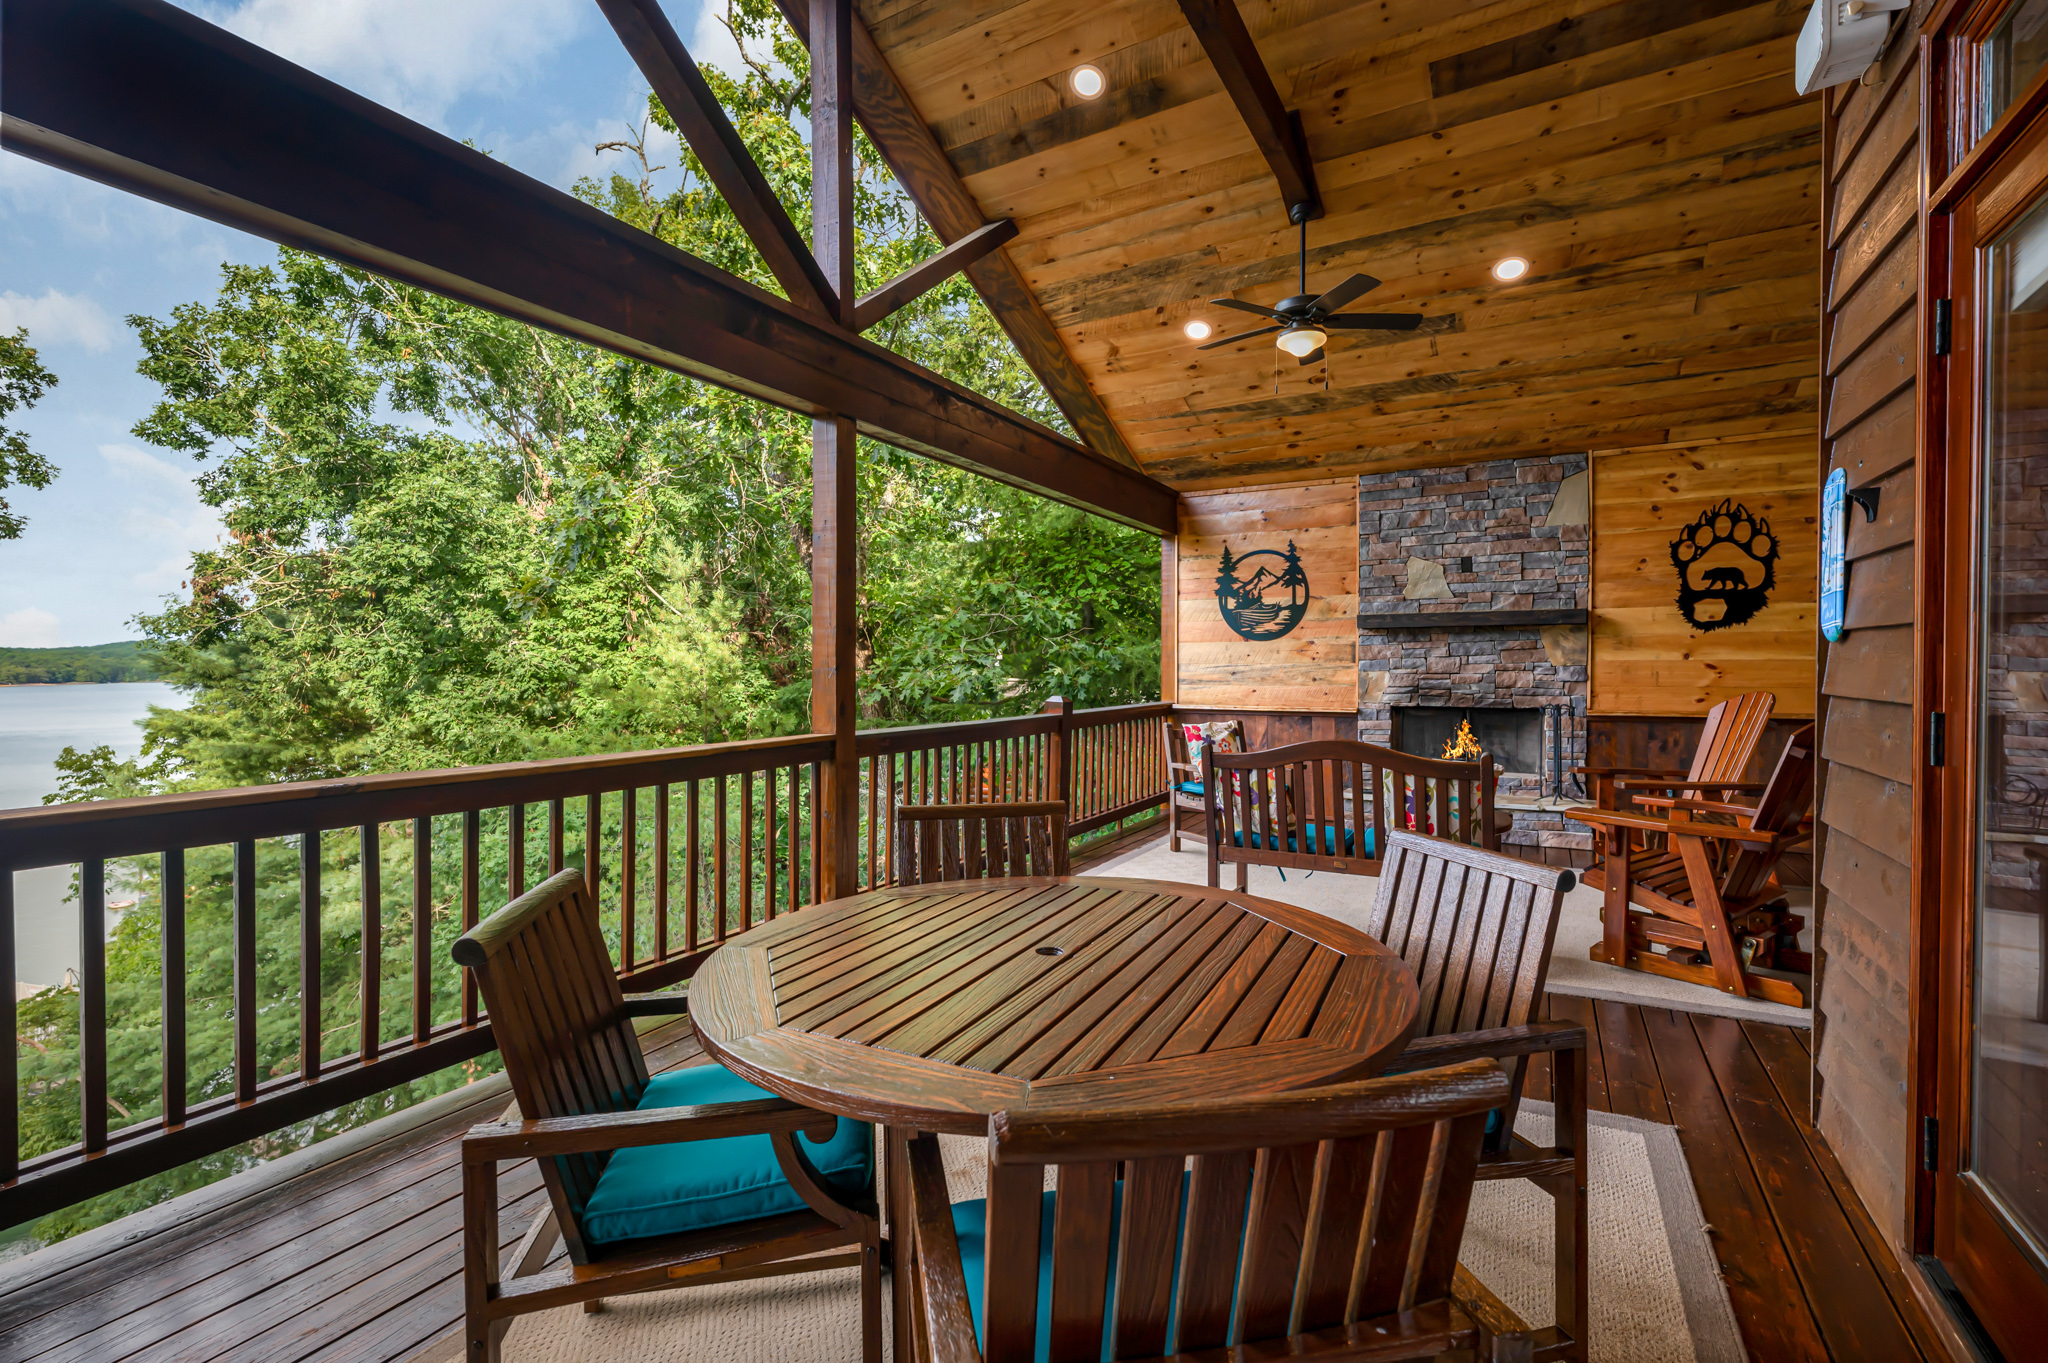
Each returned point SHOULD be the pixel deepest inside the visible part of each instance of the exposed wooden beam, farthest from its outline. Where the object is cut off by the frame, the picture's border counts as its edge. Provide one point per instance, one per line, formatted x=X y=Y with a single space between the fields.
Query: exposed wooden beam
x=1277 y=132
x=681 y=87
x=928 y=176
x=906 y=287
x=834 y=533
x=144 y=96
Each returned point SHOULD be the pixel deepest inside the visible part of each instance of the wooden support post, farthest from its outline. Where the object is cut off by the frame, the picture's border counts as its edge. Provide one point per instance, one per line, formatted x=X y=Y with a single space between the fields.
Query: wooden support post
x=832 y=454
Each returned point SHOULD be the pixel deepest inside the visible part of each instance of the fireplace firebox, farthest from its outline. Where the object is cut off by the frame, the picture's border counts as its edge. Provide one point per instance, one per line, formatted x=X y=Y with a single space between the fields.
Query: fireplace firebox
x=1513 y=737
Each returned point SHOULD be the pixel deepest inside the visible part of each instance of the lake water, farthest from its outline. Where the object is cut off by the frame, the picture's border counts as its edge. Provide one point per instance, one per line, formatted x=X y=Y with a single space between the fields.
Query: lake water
x=37 y=723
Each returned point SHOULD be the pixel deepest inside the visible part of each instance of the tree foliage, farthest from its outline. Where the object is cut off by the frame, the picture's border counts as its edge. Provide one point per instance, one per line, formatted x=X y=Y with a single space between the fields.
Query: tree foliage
x=452 y=538
x=23 y=382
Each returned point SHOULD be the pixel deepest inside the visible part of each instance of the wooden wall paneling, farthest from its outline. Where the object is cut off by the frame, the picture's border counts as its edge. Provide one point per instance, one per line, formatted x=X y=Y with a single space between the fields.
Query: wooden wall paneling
x=1313 y=667
x=1864 y=796
x=1264 y=729
x=1646 y=658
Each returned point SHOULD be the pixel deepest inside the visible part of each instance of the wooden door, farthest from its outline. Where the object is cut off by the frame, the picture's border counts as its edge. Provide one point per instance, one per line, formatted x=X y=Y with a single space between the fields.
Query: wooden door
x=1987 y=613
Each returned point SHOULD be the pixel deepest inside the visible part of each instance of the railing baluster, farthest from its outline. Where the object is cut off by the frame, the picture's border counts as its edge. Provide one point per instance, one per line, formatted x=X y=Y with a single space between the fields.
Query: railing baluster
x=629 y=855
x=768 y=836
x=874 y=813
x=746 y=850
x=245 y=971
x=10 y=1063
x=171 y=872
x=92 y=1002
x=371 y=1026
x=593 y=864
x=472 y=845
x=515 y=852
x=661 y=873
x=817 y=834
x=309 y=956
x=555 y=836
x=718 y=862
x=693 y=825
x=795 y=895
x=422 y=930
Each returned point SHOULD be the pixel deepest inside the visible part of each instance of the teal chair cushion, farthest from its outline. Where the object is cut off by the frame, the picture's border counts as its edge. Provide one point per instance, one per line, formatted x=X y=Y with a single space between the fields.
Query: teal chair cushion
x=970 y=1226
x=695 y=1185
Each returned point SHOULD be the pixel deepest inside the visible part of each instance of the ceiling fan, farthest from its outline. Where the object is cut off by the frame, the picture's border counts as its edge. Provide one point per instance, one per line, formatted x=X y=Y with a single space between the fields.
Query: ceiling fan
x=1305 y=321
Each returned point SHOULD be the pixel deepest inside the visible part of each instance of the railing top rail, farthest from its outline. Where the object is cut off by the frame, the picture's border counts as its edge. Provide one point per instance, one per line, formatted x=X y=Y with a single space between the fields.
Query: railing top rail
x=1110 y=714
x=870 y=742
x=54 y=835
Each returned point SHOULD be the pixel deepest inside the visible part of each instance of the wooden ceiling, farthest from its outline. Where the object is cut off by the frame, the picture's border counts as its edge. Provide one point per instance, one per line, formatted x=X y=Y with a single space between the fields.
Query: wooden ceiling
x=1648 y=157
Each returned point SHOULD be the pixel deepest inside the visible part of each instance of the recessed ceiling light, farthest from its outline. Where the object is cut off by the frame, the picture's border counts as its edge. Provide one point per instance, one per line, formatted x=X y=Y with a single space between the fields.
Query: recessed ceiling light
x=1510 y=269
x=1198 y=330
x=1088 y=81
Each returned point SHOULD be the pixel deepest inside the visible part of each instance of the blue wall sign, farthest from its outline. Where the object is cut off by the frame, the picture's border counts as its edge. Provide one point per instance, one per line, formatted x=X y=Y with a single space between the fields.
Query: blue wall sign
x=1834 y=530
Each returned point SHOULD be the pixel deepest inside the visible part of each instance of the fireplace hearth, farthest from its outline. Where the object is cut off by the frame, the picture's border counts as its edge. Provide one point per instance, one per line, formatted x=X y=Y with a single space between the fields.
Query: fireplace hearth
x=1512 y=737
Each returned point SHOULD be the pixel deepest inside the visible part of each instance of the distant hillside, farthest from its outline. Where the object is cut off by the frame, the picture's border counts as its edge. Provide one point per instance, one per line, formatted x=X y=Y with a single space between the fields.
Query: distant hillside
x=94 y=663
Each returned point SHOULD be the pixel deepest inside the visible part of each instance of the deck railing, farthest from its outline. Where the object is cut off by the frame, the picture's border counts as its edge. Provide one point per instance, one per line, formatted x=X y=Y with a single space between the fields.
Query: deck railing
x=321 y=912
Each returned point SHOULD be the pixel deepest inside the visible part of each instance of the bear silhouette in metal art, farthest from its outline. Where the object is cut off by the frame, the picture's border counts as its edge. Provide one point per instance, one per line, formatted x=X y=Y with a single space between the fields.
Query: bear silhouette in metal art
x=1727 y=563
x=1262 y=601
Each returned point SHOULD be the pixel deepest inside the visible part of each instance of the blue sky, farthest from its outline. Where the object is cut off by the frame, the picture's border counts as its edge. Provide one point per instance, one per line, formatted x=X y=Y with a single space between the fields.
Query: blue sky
x=537 y=83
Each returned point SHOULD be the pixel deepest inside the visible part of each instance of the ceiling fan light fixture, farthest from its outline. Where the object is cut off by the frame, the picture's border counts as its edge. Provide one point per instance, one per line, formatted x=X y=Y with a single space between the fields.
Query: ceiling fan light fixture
x=1198 y=330
x=1510 y=268
x=1087 y=81
x=1302 y=339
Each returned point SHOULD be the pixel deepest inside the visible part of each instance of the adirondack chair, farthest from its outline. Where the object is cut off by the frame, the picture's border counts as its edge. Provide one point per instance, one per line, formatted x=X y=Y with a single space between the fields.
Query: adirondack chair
x=1733 y=729
x=1711 y=896
x=1184 y=786
x=1331 y=805
x=979 y=841
x=1349 y=1236
x=691 y=1176
x=1477 y=927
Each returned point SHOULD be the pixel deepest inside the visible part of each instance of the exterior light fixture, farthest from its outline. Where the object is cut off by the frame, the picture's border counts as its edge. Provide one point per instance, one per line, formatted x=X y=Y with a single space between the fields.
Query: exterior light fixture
x=1198 y=330
x=1088 y=81
x=1303 y=338
x=1508 y=270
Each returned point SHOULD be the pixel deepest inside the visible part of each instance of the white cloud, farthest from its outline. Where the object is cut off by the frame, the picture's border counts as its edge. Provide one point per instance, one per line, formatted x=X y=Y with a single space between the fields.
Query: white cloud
x=57 y=319
x=28 y=628
x=416 y=57
x=165 y=514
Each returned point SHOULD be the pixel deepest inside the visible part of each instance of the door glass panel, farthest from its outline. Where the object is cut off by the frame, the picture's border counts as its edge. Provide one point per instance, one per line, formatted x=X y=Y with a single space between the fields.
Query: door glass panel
x=2008 y=1145
x=2013 y=55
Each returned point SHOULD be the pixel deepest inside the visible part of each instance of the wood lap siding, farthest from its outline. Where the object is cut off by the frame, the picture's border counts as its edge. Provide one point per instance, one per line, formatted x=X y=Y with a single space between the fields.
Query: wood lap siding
x=1870 y=340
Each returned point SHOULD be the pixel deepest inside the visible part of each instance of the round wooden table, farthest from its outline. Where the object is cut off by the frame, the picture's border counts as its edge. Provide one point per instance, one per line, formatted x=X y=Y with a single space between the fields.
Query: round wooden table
x=929 y=1007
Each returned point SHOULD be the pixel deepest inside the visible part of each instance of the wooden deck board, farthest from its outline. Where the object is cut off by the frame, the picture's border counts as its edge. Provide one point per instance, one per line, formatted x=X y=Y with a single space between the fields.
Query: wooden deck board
x=280 y=1277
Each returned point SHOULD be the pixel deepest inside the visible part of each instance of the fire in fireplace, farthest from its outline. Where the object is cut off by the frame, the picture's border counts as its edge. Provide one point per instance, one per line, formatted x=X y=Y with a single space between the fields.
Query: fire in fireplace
x=1514 y=737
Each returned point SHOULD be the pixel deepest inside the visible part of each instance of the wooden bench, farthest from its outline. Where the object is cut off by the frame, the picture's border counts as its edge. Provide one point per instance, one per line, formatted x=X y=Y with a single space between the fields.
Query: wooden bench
x=1319 y=806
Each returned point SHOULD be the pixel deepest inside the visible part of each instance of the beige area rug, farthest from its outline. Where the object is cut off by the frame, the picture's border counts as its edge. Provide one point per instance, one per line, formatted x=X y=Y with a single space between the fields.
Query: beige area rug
x=1571 y=972
x=1656 y=1291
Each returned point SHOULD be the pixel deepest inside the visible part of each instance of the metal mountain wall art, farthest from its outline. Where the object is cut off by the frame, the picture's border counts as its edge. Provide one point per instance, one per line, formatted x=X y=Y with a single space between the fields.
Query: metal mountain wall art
x=1727 y=563
x=1263 y=594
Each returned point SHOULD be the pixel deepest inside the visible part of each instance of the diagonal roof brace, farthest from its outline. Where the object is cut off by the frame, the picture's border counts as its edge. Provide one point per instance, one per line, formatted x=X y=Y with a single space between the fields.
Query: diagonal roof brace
x=1276 y=130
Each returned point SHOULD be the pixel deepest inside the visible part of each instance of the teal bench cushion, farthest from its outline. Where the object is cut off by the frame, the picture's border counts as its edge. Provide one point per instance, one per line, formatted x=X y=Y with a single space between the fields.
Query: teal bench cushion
x=695 y=1185
x=1323 y=841
x=1189 y=787
x=970 y=1226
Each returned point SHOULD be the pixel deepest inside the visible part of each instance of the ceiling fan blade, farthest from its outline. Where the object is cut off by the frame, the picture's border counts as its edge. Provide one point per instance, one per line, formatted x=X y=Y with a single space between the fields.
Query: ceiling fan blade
x=1243 y=306
x=1351 y=288
x=1375 y=321
x=1241 y=336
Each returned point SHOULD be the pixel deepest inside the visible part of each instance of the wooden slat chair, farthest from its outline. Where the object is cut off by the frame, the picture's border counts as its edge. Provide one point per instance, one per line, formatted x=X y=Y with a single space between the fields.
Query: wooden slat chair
x=1727 y=743
x=1330 y=805
x=1184 y=786
x=1477 y=929
x=687 y=1177
x=1318 y=1224
x=1711 y=897
x=979 y=841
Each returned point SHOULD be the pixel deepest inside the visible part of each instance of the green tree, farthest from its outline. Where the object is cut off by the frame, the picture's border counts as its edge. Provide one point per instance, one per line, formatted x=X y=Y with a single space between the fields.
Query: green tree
x=23 y=382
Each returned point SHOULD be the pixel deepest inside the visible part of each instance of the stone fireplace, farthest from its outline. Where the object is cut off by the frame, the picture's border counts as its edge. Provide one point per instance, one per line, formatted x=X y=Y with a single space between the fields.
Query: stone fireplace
x=1472 y=594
